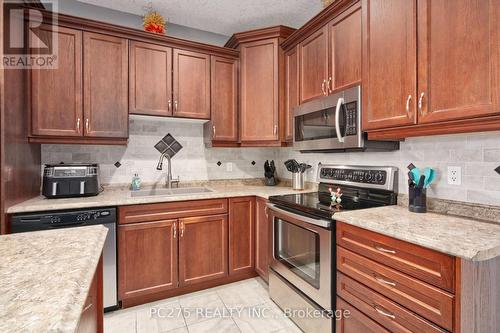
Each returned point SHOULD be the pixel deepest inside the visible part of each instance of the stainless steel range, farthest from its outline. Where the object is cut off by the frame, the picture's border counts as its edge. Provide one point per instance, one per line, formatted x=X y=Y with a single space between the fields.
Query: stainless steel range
x=302 y=270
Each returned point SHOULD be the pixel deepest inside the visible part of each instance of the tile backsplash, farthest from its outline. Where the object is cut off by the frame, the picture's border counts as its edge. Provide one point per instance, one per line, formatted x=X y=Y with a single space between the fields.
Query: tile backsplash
x=477 y=154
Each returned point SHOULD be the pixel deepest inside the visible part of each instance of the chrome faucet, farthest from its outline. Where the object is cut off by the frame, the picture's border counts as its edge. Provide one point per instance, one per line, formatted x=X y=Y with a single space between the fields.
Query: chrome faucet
x=169 y=180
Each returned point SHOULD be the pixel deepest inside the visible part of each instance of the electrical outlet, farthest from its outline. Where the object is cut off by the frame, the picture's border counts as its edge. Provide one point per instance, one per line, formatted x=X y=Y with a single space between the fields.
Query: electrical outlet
x=229 y=167
x=454 y=175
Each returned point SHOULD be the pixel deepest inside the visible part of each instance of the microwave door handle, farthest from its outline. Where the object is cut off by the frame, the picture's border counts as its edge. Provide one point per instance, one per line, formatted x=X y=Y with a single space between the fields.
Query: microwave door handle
x=337 y=119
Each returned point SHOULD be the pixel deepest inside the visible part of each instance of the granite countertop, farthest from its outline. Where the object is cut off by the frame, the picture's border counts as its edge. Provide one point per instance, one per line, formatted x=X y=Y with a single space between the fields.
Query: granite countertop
x=45 y=277
x=122 y=197
x=462 y=237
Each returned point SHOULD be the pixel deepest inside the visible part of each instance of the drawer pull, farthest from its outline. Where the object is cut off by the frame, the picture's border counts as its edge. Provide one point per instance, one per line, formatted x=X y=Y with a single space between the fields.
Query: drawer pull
x=384 y=313
x=381 y=249
x=87 y=307
x=389 y=283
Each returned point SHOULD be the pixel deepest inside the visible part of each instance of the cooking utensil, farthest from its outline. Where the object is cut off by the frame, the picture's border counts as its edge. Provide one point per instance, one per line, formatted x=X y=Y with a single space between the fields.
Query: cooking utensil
x=415 y=174
x=430 y=175
x=289 y=165
x=421 y=182
x=411 y=166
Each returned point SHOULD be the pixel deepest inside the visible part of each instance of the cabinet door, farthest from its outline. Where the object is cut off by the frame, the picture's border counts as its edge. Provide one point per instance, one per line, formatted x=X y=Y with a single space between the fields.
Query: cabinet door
x=458 y=59
x=105 y=86
x=262 y=247
x=314 y=65
x=259 y=96
x=150 y=88
x=354 y=321
x=292 y=90
x=241 y=235
x=345 y=48
x=147 y=258
x=389 y=63
x=202 y=249
x=191 y=84
x=56 y=94
x=224 y=88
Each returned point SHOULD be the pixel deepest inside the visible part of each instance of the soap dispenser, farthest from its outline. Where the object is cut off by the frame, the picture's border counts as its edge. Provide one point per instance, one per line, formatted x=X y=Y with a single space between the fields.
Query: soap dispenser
x=136 y=182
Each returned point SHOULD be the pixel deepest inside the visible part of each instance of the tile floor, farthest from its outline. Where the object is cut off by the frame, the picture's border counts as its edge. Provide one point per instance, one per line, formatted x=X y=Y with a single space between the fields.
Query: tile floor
x=242 y=306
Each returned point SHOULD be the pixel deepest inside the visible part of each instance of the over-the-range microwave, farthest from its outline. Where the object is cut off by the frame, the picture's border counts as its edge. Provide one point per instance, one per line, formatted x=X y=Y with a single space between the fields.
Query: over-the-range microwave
x=333 y=124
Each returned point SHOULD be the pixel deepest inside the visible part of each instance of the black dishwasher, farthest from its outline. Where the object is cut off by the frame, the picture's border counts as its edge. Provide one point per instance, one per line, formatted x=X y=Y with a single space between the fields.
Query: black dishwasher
x=79 y=218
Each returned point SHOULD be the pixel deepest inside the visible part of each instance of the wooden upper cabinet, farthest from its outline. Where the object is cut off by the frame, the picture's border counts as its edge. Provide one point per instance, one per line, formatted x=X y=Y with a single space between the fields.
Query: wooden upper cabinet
x=458 y=59
x=345 y=48
x=105 y=85
x=313 y=55
x=150 y=87
x=56 y=94
x=259 y=96
x=191 y=84
x=292 y=90
x=147 y=258
x=202 y=249
x=389 y=63
x=224 y=87
x=241 y=235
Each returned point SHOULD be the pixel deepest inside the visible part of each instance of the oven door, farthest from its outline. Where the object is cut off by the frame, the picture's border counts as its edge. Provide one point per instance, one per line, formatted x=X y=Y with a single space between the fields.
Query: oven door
x=329 y=123
x=301 y=253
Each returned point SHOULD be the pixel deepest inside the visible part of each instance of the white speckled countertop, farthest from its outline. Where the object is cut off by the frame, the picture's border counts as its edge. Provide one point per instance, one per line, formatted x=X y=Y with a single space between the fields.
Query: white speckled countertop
x=45 y=277
x=122 y=197
x=462 y=237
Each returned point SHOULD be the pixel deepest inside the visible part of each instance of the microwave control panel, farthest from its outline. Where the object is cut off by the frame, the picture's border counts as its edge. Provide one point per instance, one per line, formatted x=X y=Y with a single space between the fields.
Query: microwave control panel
x=351 y=118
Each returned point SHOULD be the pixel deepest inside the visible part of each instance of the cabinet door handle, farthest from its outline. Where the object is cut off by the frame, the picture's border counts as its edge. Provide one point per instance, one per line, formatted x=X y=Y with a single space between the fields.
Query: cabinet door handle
x=384 y=281
x=176 y=106
x=420 y=103
x=182 y=229
x=175 y=229
x=323 y=87
x=330 y=85
x=408 y=100
x=266 y=211
x=384 y=250
x=78 y=125
x=213 y=131
x=384 y=313
x=87 y=125
x=275 y=130
x=169 y=105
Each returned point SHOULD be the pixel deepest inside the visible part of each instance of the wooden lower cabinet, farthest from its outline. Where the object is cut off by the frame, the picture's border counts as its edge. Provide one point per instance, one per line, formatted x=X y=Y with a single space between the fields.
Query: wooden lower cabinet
x=354 y=321
x=202 y=249
x=147 y=254
x=91 y=319
x=262 y=241
x=241 y=235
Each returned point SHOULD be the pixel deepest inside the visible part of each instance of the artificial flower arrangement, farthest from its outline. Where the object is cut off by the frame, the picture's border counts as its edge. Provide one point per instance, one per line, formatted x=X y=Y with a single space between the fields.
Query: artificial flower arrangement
x=336 y=198
x=154 y=22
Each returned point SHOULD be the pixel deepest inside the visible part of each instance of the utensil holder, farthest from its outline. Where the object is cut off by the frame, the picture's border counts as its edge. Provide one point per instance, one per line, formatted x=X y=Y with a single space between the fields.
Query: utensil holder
x=418 y=199
x=298 y=180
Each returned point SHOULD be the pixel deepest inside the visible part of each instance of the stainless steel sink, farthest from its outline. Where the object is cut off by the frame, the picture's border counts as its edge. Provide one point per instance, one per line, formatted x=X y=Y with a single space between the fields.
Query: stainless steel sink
x=170 y=191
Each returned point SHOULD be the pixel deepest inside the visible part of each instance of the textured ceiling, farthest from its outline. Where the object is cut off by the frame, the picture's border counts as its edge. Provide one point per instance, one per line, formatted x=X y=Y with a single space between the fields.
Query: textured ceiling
x=222 y=16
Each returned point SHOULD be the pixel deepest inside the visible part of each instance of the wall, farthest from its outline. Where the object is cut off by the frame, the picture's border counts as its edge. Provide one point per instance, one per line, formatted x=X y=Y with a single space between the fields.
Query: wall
x=193 y=162
x=76 y=8
x=477 y=154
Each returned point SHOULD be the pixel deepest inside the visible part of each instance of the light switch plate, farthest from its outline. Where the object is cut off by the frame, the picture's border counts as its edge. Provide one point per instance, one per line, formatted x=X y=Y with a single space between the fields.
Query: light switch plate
x=454 y=175
x=229 y=167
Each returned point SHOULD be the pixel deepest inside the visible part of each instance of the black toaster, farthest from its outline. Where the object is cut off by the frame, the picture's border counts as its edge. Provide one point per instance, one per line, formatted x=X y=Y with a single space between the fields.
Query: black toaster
x=70 y=180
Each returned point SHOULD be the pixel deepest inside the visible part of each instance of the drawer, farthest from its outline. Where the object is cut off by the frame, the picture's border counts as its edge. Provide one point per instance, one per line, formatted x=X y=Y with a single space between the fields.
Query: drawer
x=171 y=210
x=353 y=321
x=428 y=301
x=387 y=313
x=424 y=264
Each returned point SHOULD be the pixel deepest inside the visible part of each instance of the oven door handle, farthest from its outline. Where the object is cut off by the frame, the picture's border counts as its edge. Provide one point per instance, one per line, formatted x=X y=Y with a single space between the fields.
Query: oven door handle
x=337 y=119
x=319 y=222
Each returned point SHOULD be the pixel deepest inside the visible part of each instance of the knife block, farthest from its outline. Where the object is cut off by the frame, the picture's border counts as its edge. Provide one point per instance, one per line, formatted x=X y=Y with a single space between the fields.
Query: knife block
x=418 y=199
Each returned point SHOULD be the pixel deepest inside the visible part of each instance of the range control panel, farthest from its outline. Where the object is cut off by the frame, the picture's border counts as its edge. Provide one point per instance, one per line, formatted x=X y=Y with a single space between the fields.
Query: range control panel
x=356 y=176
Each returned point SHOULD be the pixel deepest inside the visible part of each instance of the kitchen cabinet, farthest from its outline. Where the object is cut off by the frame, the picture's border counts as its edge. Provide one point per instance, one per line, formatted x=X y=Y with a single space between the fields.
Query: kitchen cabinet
x=191 y=84
x=91 y=318
x=56 y=94
x=202 y=248
x=223 y=127
x=354 y=321
x=344 y=33
x=262 y=120
x=147 y=254
x=292 y=90
x=84 y=100
x=389 y=63
x=447 y=80
x=150 y=87
x=314 y=75
x=241 y=235
x=105 y=79
x=263 y=242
